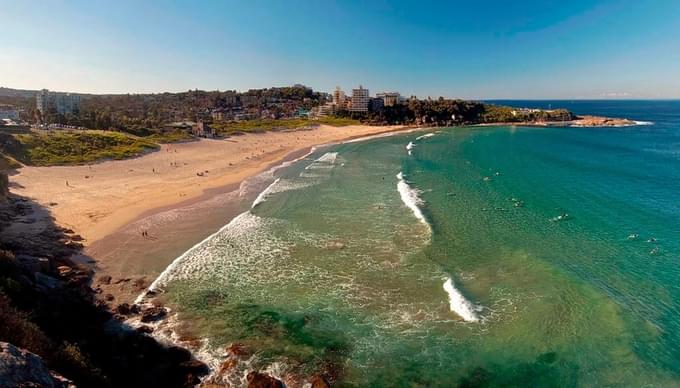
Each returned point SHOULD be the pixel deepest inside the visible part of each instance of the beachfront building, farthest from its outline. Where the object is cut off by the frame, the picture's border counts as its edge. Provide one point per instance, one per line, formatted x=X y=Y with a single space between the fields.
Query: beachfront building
x=61 y=103
x=390 y=98
x=8 y=112
x=339 y=97
x=202 y=129
x=360 y=100
x=323 y=110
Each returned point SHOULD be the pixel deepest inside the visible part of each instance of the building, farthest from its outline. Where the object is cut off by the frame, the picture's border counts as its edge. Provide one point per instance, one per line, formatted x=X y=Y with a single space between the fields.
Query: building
x=249 y=100
x=202 y=129
x=323 y=110
x=339 y=97
x=390 y=98
x=56 y=102
x=8 y=112
x=360 y=100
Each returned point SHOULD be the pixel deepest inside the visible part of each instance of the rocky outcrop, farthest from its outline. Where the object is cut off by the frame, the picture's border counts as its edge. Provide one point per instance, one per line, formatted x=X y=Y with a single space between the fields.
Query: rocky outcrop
x=597 y=121
x=21 y=368
x=153 y=314
x=319 y=381
x=261 y=380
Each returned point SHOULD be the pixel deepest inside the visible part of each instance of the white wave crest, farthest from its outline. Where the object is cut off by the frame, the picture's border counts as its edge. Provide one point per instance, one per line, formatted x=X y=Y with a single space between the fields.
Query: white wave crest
x=644 y=123
x=263 y=195
x=458 y=304
x=411 y=198
x=425 y=136
x=328 y=157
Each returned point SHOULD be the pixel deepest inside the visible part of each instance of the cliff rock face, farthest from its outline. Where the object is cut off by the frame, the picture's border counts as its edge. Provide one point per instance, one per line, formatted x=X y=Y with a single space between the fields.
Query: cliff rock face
x=4 y=186
x=19 y=368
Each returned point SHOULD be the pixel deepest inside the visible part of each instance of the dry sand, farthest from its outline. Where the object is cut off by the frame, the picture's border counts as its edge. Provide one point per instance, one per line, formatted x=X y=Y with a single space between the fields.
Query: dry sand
x=98 y=199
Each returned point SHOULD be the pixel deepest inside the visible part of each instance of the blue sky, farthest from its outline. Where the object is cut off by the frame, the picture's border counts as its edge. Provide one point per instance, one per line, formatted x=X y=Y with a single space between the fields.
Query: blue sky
x=467 y=49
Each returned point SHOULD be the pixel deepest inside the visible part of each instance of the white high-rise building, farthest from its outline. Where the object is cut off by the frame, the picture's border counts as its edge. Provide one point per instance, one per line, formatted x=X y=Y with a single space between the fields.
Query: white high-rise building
x=360 y=100
x=61 y=103
x=390 y=98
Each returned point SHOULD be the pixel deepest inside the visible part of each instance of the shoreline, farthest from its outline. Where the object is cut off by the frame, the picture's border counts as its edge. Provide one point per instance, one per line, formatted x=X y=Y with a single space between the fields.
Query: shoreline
x=123 y=261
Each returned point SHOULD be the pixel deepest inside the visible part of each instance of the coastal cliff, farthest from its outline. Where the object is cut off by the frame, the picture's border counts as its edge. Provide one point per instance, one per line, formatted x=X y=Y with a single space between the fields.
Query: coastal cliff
x=51 y=316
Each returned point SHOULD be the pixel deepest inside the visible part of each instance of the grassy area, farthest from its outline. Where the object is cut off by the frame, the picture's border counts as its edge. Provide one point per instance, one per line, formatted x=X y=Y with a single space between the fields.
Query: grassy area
x=63 y=148
x=263 y=125
x=170 y=137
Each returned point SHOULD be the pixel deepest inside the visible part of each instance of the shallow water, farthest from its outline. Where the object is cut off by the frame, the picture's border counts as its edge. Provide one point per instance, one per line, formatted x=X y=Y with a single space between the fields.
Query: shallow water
x=503 y=256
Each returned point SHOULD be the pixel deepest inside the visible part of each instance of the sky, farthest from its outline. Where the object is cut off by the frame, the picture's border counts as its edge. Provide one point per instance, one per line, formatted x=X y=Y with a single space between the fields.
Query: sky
x=480 y=49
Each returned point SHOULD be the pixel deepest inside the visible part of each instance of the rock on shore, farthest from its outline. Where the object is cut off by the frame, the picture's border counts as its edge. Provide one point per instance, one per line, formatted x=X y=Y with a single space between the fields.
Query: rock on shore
x=21 y=368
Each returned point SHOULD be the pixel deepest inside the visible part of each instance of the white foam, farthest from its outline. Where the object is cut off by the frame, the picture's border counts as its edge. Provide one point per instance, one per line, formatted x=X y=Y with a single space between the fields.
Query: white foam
x=411 y=198
x=409 y=147
x=174 y=267
x=425 y=136
x=458 y=304
x=644 y=123
x=263 y=195
x=328 y=157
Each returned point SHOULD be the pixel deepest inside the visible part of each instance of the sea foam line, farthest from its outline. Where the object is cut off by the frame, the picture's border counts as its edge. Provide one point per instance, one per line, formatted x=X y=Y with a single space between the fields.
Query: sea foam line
x=458 y=304
x=644 y=123
x=411 y=198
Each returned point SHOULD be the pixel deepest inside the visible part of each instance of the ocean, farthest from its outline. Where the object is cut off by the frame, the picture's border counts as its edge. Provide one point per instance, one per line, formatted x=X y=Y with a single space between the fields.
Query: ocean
x=462 y=256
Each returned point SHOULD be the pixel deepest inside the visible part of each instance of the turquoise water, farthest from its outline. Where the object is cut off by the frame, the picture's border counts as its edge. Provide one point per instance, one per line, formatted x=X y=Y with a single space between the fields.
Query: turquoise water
x=558 y=248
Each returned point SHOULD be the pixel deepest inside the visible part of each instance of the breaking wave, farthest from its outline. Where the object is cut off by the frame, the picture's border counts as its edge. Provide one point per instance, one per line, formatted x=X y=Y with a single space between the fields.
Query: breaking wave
x=263 y=195
x=425 y=136
x=458 y=304
x=411 y=198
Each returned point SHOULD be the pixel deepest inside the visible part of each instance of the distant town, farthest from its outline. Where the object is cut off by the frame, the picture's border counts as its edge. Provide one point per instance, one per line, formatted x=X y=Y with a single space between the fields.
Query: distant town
x=53 y=109
x=213 y=113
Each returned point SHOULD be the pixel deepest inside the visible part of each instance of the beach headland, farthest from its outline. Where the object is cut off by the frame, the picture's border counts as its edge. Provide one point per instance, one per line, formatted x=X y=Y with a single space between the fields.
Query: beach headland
x=578 y=121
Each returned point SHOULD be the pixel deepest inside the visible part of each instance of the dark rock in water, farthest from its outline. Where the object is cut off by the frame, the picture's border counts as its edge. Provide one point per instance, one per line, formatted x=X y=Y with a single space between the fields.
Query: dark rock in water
x=238 y=350
x=261 y=380
x=21 y=368
x=123 y=309
x=194 y=366
x=144 y=329
x=153 y=314
x=319 y=382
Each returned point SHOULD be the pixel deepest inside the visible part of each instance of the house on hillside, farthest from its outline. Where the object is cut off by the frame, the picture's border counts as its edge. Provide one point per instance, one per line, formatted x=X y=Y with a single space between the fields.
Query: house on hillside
x=202 y=129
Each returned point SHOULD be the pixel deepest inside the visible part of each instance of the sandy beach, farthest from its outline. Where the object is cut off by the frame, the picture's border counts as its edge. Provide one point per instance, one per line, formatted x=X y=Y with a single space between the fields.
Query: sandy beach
x=98 y=199
x=177 y=195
